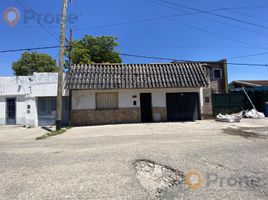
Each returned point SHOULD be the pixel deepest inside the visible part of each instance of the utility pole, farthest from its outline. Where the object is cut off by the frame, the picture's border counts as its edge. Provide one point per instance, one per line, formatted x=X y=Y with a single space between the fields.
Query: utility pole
x=70 y=64
x=61 y=65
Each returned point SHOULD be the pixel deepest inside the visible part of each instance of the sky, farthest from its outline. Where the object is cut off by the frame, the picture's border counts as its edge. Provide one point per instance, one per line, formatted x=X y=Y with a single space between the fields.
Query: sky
x=207 y=30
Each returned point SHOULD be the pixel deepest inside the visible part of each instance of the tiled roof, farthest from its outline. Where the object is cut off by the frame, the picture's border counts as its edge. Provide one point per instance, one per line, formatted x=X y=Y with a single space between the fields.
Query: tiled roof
x=136 y=76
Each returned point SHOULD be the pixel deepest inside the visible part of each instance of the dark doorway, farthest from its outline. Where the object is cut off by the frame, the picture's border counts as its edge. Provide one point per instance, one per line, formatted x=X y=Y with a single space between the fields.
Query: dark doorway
x=47 y=111
x=182 y=106
x=146 y=107
x=11 y=111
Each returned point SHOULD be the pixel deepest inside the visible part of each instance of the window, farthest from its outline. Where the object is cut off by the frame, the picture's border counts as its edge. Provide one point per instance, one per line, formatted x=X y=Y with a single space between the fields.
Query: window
x=217 y=74
x=107 y=100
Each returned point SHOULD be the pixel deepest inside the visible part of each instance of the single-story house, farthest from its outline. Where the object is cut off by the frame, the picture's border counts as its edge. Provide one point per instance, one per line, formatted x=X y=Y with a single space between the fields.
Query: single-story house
x=31 y=100
x=132 y=93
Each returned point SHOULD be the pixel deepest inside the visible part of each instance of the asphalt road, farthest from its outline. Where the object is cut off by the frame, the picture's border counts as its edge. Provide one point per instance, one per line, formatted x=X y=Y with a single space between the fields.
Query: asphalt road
x=98 y=162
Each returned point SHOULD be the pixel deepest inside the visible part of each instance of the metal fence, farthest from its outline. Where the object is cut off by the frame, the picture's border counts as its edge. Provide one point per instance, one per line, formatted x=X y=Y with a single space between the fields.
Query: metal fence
x=237 y=101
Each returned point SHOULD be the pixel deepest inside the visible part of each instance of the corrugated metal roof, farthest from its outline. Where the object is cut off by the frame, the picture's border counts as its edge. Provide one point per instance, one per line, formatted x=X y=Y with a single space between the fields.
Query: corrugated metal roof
x=253 y=82
x=136 y=76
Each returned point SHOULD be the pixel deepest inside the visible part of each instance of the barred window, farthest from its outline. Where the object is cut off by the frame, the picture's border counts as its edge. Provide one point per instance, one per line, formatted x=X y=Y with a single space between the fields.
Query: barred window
x=107 y=100
x=217 y=74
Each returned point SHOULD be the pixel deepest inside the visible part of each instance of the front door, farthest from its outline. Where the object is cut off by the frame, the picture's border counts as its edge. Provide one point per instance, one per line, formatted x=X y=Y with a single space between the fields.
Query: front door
x=146 y=107
x=11 y=111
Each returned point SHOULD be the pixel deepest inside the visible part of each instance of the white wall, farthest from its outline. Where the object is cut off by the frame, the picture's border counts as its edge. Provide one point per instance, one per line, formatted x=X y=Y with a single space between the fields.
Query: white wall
x=26 y=90
x=2 y=110
x=85 y=99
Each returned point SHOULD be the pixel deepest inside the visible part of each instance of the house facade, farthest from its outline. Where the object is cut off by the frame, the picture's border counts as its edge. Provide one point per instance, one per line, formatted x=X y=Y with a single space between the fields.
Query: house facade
x=132 y=93
x=30 y=100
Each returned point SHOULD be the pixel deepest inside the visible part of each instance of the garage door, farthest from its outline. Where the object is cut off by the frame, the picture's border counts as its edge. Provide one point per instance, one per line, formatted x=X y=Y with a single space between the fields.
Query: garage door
x=182 y=106
x=47 y=111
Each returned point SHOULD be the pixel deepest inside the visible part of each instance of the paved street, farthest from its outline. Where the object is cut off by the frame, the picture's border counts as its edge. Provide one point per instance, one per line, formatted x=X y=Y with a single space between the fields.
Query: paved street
x=99 y=162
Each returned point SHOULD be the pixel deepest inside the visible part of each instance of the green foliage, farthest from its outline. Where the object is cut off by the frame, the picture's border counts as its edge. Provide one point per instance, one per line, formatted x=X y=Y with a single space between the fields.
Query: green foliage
x=95 y=50
x=34 y=62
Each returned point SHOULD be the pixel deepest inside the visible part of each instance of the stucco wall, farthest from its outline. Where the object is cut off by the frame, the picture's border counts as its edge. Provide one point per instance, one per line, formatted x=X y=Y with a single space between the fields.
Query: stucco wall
x=85 y=99
x=2 y=110
x=26 y=89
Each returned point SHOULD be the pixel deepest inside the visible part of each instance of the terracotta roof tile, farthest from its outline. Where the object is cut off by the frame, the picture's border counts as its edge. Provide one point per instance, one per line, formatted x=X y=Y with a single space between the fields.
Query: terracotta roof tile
x=136 y=76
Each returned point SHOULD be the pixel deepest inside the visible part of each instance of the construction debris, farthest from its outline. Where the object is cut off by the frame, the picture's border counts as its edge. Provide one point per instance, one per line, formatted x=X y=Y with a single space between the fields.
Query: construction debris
x=229 y=118
x=254 y=114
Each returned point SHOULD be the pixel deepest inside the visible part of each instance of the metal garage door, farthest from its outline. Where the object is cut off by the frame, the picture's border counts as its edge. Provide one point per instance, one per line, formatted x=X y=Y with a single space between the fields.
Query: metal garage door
x=47 y=111
x=182 y=106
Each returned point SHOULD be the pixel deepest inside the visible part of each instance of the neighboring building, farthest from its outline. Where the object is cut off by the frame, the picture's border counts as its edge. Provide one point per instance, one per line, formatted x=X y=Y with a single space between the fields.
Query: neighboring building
x=239 y=84
x=216 y=72
x=131 y=93
x=30 y=100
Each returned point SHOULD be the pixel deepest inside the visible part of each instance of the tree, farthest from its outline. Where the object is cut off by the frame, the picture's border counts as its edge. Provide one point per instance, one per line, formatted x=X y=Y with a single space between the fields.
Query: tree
x=34 y=62
x=91 y=49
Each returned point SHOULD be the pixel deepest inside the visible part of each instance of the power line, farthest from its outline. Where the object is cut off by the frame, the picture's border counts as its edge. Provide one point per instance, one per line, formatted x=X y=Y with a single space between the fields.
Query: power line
x=212 y=33
x=28 y=7
x=145 y=56
x=192 y=26
x=212 y=6
x=173 y=59
x=249 y=55
x=220 y=35
x=150 y=19
x=215 y=20
x=150 y=57
x=28 y=49
x=212 y=13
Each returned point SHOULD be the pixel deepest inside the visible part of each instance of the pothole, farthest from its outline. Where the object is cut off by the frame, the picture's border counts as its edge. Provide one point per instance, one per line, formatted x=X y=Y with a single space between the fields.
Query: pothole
x=157 y=178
